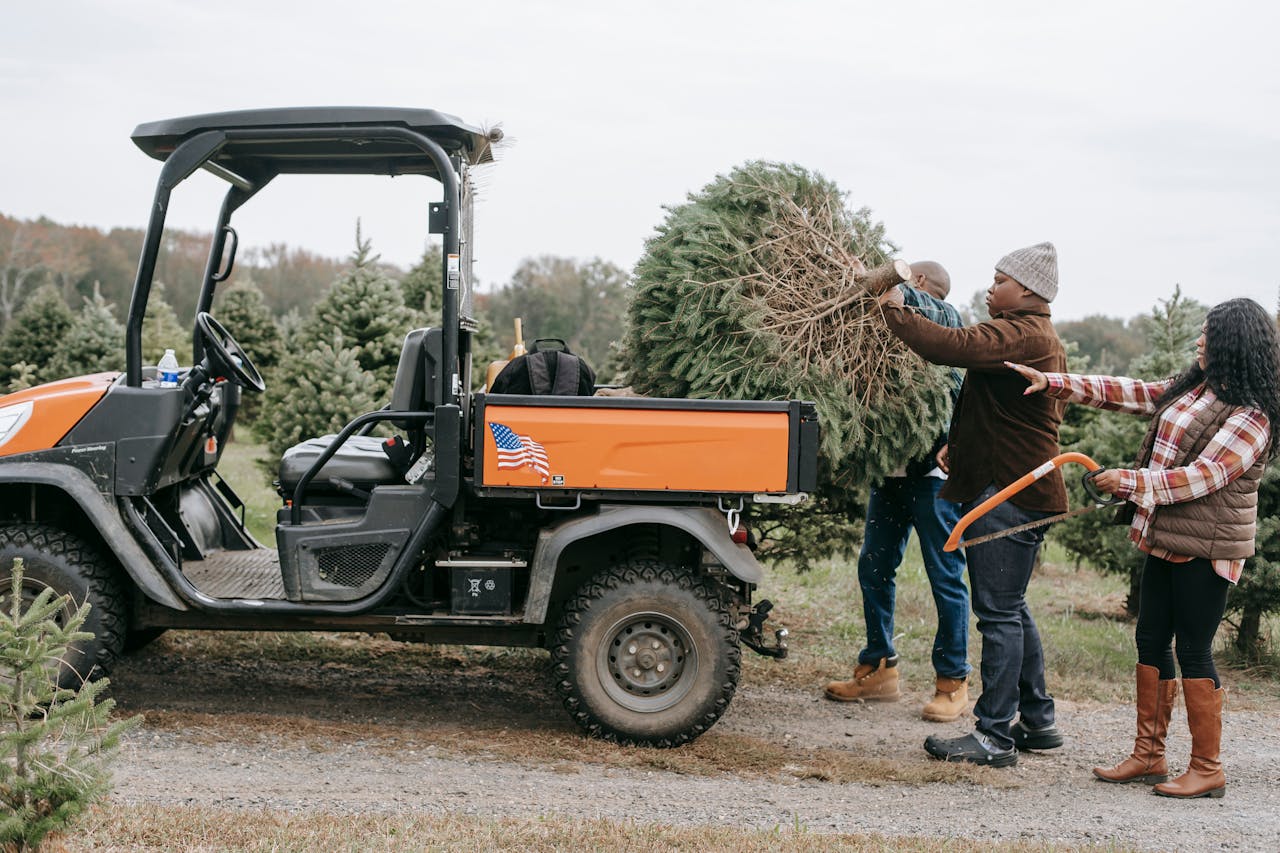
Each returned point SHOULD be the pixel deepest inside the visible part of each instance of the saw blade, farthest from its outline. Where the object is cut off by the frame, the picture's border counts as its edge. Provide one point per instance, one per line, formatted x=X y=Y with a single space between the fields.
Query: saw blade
x=1030 y=525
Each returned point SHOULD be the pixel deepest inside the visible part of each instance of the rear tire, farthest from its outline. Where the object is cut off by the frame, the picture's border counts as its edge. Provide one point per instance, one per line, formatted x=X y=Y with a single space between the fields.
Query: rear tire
x=646 y=655
x=65 y=563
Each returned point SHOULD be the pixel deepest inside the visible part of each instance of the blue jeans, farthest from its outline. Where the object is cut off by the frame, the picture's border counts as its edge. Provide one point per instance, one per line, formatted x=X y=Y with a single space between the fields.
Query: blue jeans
x=1012 y=659
x=894 y=508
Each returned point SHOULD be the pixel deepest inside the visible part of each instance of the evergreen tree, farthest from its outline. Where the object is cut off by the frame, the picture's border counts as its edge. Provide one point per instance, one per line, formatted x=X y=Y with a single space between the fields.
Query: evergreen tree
x=1258 y=592
x=22 y=376
x=162 y=330
x=314 y=395
x=55 y=742
x=243 y=310
x=34 y=334
x=367 y=308
x=751 y=290
x=291 y=323
x=1113 y=439
x=94 y=342
x=422 y=286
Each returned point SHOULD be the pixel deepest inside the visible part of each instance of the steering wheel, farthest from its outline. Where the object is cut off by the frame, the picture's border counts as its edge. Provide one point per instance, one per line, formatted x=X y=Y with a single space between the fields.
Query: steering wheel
x=227 y=356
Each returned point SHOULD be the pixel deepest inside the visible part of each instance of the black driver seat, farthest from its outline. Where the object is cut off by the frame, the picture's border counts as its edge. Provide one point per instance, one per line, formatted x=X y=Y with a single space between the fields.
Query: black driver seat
x=361 y=460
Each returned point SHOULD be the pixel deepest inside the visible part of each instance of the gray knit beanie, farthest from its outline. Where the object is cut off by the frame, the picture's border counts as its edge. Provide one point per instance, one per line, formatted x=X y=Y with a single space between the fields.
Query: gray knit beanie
x=1035 y=268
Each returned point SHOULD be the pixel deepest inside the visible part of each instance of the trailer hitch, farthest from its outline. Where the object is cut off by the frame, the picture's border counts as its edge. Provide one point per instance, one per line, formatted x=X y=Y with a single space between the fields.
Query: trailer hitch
x=752 y=634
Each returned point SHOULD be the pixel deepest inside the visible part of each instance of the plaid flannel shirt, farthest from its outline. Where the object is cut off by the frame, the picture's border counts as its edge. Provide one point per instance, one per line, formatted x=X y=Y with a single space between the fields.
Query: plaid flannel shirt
x=1238 y=444
x=937 y=311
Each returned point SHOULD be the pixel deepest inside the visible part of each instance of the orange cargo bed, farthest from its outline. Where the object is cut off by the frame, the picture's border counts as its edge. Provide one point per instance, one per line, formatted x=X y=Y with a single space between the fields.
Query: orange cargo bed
x=644 y=444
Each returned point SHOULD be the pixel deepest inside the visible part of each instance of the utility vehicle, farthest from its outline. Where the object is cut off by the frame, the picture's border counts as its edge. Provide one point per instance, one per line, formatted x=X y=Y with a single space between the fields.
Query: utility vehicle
x=609 y=530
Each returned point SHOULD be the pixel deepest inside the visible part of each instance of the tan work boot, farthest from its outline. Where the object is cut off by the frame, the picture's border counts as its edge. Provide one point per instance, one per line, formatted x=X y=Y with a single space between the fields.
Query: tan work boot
x=950 y=700
x=869 y=683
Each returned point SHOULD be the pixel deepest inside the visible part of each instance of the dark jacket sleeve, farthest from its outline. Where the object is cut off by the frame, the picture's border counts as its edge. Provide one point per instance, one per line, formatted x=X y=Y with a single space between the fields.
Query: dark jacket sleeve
x=985 y=346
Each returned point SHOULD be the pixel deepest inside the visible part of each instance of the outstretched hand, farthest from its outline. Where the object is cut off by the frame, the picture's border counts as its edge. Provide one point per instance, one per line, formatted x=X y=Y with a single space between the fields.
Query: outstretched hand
x=1035 y=379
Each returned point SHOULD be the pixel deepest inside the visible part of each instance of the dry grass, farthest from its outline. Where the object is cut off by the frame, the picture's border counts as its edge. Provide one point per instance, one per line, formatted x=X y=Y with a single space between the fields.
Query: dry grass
x=125 y=827
x=714 y=754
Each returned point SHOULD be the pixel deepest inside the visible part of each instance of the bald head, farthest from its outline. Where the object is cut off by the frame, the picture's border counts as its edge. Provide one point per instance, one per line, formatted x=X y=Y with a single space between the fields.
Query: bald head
x=931 y=277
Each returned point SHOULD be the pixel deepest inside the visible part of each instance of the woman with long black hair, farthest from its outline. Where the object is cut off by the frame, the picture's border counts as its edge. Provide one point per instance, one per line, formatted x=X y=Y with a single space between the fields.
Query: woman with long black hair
x=1193 y=496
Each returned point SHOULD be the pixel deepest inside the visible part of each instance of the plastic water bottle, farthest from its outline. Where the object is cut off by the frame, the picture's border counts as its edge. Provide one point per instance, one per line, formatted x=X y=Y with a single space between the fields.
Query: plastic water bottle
x=168 y=370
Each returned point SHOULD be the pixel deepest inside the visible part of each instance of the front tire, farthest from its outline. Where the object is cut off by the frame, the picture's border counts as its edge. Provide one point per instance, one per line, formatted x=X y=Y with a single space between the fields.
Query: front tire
x=63 y=562
x=646 y=654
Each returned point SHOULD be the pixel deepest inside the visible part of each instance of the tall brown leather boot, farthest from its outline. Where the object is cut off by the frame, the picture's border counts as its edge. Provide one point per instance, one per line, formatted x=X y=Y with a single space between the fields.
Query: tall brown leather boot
x=1204 y=776
x=1146 y=763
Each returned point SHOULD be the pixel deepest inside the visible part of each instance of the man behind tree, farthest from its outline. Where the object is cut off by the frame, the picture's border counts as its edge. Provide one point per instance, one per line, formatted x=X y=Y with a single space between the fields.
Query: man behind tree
x=997 y=435
x=906 y=499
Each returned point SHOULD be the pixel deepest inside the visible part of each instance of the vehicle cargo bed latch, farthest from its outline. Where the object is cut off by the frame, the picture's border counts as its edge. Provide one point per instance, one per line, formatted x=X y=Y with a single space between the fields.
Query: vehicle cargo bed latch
x=752 y=636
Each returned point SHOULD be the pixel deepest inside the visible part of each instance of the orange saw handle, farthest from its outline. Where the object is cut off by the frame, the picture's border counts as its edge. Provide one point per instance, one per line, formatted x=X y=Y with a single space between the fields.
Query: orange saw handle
x=953 y=541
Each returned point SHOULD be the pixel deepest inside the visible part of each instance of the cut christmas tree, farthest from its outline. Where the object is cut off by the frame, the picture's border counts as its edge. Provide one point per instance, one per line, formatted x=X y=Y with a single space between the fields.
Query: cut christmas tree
x=762 y=286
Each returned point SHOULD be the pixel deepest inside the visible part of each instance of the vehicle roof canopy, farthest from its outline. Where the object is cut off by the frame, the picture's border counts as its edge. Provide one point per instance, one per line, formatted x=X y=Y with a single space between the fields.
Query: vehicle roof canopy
x=293 y=140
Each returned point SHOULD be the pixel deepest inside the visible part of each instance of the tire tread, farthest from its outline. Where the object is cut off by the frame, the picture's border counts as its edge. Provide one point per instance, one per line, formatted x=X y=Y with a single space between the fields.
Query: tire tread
x=629 y=574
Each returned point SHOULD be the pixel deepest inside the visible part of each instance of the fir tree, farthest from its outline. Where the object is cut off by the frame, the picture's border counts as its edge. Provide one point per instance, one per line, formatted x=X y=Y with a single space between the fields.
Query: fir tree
x=55 y=741
x=367 y=308
x=1112 y=439
x=738 y=295
x=316 y=394
x=1258 y=592
x=33 y=336
x=93 y=343
x=22 y=376
x=161 y=329
x=291 y=324
x=422 y=286
x=243 y=310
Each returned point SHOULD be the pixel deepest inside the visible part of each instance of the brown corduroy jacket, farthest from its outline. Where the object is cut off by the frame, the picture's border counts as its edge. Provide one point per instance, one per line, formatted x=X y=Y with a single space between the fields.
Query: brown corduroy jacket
x=997 y=433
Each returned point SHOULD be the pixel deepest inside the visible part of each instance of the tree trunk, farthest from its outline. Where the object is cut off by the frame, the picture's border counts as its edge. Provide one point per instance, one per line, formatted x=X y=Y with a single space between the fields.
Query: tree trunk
x=1135 y=591
x=1248 y=641
x=883 y=277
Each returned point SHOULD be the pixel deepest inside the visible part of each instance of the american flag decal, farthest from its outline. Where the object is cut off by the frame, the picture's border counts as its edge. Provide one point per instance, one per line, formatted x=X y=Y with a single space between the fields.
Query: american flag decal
x=519 y=451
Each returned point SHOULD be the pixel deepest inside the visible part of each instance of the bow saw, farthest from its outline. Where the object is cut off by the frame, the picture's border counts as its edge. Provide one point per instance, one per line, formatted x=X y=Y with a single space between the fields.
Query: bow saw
x=1093 y=469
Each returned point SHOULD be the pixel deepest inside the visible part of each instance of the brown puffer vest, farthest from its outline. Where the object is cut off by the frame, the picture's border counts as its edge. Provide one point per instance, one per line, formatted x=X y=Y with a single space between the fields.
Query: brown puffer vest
x=1220 y=526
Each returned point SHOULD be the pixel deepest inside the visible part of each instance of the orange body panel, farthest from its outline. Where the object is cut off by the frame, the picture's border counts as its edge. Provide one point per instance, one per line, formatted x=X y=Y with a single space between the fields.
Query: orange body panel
x=58 y=406
x=649 y=449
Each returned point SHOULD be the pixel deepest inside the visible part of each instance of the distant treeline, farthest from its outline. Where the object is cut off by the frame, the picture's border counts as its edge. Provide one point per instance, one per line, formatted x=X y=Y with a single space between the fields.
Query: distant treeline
x=77 y=258
x=581 y=302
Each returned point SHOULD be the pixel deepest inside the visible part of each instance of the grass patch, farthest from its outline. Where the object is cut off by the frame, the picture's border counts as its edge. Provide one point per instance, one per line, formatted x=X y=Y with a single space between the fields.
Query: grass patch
x=1086 y=634
x=116 y=826
x=241 y=466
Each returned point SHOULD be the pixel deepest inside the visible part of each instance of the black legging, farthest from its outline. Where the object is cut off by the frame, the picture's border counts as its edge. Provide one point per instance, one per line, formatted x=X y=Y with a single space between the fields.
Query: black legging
x=1183 y=600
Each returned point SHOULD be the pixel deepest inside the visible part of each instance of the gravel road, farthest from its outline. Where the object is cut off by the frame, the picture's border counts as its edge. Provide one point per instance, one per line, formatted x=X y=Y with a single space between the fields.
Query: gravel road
x=1050 y=797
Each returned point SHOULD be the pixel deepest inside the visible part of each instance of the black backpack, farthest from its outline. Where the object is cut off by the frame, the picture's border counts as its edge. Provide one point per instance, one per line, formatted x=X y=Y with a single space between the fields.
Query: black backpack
x=546 y=369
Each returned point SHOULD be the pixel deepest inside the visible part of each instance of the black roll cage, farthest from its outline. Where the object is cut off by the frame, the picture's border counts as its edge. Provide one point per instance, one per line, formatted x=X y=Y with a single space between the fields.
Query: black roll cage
x=198 y=152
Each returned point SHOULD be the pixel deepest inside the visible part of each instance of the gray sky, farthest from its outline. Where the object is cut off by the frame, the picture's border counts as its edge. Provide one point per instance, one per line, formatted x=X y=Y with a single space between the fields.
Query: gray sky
x=1143 y=139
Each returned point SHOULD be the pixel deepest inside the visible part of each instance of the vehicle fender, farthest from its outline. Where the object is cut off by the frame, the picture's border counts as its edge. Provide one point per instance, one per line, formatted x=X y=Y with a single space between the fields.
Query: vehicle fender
x=702 y=523
x=105 y=518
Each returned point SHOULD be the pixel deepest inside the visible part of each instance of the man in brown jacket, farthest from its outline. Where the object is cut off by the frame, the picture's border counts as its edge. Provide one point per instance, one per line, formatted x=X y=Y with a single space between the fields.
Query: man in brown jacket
x=997 y=435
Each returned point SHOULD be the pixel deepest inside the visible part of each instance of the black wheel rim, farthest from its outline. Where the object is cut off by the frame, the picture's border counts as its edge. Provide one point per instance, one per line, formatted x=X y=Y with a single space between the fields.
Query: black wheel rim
x=647 y=662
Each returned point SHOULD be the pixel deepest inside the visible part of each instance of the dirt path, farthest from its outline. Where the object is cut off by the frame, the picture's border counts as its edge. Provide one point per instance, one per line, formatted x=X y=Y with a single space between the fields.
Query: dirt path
x=326 y=737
